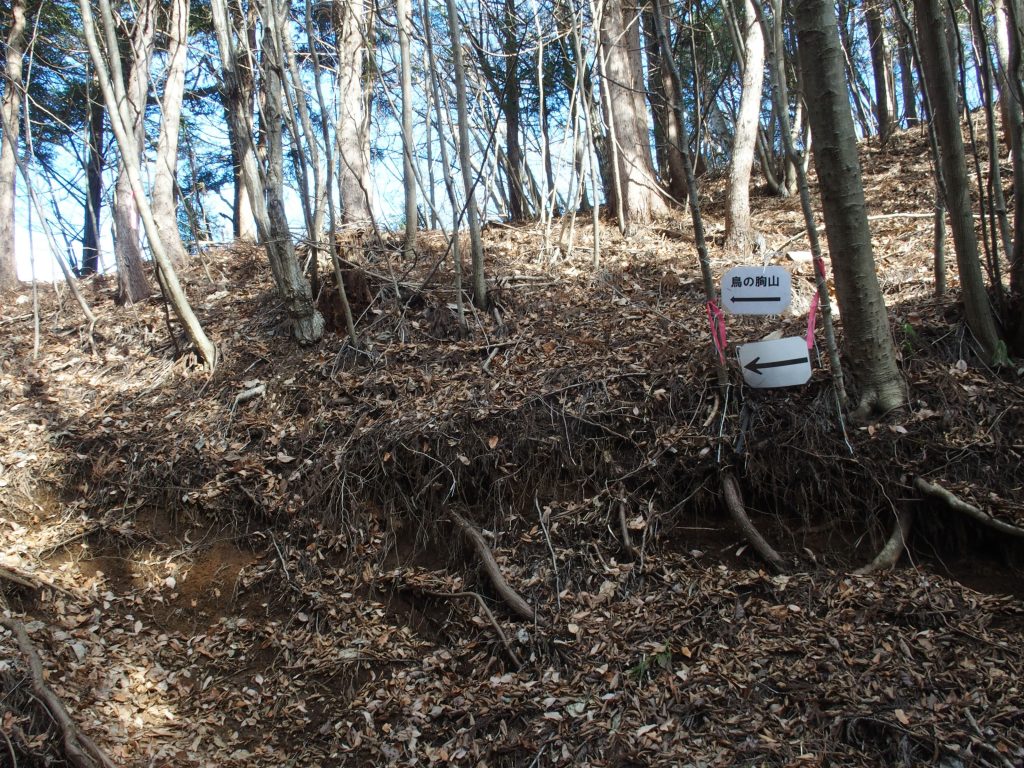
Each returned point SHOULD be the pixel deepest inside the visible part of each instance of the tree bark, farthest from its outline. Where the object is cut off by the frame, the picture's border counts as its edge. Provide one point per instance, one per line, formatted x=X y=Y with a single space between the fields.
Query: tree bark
x=133 y=284
x=907 y=87
x=165 y=209
x=265 y=184
x=408 y=140
x=121 y=116
x=1011 y=93
x=881 y=67
x=670 y=159
x=637 y=194
x=737 y=209
x=93 y=185
x=941 y=88
x=353 y=138
x=867 y=337
x=479 y=280
x=11 y=110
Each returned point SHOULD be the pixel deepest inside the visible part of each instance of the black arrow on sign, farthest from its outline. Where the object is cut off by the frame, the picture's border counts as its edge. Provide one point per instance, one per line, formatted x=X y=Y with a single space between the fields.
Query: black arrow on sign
x=755 y=367
x=756 y=298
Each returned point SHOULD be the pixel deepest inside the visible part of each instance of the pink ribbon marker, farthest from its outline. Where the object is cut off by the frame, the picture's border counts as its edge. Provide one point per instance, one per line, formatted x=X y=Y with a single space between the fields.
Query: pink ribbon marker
x=812 y=318
x=717 y=322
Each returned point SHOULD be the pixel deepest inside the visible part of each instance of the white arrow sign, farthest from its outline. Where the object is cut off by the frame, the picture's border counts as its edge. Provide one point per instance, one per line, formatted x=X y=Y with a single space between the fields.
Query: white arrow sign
x=778 y=363
x=756 y=290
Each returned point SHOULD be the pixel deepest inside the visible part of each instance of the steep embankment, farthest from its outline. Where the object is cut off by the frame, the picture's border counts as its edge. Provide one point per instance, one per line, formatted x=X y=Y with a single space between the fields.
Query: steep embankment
x=264 y=566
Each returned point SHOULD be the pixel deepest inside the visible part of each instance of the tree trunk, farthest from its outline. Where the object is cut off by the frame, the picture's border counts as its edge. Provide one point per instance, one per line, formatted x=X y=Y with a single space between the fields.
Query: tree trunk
x=121 y=116
x=670 y=159
x=449 y=183
x=165 y=209
x=265 y=184
x=133 y=285
x=1010 y=92
x=476 y=244
x=867 y=339
x=11 y=110
x=93 y=186
x=881 y=66
x=408 y=141
x=307 y=323
x=353 y=138
x=938 y=75
x=637 y=195
x=907 y=87
x=737 y=209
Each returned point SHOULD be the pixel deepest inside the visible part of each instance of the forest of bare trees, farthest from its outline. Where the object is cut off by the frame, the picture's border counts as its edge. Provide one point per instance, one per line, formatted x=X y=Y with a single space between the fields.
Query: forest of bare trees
x=511 y=383
x=300 y=122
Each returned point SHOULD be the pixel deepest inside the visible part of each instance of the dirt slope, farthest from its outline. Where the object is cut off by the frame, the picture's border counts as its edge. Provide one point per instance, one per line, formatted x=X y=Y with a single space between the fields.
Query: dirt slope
x=278 y=579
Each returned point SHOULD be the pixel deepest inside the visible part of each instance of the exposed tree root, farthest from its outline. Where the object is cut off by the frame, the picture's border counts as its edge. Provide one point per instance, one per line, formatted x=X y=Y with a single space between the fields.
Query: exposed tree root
x=490 y=617
x=6 y=574
x=890 y=553
x=734 y=503
x=79 y=750
x=627 y=540
x=957 y=504
x=512 y=598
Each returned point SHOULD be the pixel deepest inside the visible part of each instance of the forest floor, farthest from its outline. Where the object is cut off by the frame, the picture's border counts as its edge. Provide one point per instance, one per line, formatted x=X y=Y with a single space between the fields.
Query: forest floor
x=266 y=566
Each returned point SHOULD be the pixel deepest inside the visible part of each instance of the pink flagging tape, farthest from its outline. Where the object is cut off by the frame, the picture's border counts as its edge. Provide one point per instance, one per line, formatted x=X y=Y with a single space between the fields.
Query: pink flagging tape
x=812 y=318
x=717 y=322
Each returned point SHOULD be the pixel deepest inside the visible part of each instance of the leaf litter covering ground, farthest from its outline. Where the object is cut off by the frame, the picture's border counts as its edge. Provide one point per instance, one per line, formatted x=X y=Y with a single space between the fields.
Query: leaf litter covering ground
x=263 y=582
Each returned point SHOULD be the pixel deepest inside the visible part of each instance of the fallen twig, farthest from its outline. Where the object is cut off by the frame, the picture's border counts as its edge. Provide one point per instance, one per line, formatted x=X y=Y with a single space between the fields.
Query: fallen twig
x=890 y=553
x=957 y=504
x=518 y=605
x=490 y=617
x=734 y=503
x=79 y=749
x=551 y=550
x=28 y=582
x=627 y=540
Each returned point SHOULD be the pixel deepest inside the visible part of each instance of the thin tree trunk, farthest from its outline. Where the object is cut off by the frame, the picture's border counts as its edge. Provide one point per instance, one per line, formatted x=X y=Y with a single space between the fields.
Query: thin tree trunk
x=700 y=241
x=881 y=67
x=449 y=183
x=265 y=185
x=133 y=285
x=93 y=185
x=907 y=87
x=408 y=143
x=121 y=118
x=165 y=209
x=939 y=83
x=11 y=110
x=332 y=222
x=476 y=243
x=673 y=174
x=867 y=337
x=1010 y=93
x=738 y=237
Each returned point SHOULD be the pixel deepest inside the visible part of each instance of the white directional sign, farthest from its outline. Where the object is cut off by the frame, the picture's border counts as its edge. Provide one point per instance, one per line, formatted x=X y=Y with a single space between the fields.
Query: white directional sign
x=777 y=363
x=756 y=290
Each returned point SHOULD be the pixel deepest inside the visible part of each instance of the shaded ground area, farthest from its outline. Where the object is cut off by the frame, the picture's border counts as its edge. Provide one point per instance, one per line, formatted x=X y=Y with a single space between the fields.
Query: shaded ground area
x=279 y=579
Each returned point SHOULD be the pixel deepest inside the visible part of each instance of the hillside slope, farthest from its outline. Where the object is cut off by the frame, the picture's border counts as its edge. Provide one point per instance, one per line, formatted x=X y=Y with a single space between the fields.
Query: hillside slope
x=266 y=566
